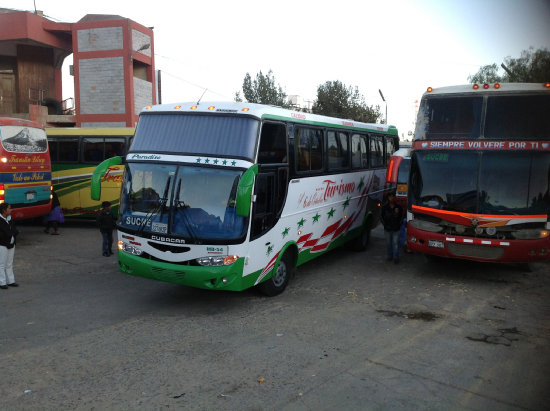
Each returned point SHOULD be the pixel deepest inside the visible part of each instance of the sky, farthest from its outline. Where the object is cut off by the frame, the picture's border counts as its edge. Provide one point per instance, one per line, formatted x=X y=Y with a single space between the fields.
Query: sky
x=397 y=46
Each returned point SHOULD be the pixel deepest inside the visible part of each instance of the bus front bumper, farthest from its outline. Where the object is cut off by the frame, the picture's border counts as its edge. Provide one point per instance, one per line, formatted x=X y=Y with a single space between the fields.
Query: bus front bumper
x=207 y=277
x=478 y=249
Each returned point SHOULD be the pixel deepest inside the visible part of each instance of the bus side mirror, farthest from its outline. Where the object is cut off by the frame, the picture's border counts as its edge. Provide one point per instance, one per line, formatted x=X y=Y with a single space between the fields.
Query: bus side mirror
x=98 y=174
x=244 y=191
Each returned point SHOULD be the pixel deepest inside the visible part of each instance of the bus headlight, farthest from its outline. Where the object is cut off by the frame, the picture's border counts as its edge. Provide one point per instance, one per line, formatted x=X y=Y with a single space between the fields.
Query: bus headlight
x=217 y=260
x=425 y=225
x=130 y=249
x=530 y=234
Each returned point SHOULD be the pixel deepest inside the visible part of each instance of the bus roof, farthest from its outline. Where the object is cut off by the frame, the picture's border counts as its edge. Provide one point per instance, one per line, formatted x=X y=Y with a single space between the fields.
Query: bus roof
x=262 y=111
x=90 y=131
x=10 y=121
x=488 y=88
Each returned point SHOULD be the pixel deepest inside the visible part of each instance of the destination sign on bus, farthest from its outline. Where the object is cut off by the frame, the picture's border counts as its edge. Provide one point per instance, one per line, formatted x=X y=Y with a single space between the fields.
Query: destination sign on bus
x=482 y=145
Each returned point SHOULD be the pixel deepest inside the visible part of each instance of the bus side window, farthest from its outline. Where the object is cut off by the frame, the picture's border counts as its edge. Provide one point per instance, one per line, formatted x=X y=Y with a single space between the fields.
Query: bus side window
x=316 y=150
x=302 y=149
x=390 y=148
x=67 y=150
x=376 y=151
x=263 y=214
x=359 y=153
x=272 y=144
x=337 y=148
x=114 y=147
x=53 y=146
x=309 y=149
x=93 y=149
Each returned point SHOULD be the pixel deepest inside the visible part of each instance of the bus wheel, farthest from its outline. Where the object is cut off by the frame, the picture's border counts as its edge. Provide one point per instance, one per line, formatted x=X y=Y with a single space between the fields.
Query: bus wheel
x=278 y=282
x=361 y=242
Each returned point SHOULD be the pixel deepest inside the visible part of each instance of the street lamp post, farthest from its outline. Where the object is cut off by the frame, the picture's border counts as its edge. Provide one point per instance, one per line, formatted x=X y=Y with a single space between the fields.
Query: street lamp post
x=144 y=47
x=384 y=100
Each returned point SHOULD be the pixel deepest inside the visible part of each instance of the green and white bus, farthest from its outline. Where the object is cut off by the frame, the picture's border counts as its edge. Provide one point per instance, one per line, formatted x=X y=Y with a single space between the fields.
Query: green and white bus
x=227 y=196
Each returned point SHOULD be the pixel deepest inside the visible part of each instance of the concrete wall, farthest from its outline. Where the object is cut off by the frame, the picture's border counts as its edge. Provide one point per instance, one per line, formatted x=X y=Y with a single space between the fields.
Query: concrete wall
x=143 y=94
x=140 y=39
x=104 y=124
x=102 y=86
x=97 y=39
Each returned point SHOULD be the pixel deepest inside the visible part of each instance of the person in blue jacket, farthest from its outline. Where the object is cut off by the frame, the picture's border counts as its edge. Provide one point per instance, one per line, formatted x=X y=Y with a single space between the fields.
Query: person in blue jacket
x=392 y=218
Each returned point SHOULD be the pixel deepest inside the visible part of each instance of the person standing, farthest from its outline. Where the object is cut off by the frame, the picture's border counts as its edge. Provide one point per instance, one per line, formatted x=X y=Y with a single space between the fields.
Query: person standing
x=106 y=222
x=392 y=217
x=8 y=232
x=55 y=217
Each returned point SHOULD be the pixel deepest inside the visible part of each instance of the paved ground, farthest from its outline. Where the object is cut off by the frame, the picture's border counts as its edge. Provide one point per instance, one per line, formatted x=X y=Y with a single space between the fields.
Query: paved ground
x=351 y=332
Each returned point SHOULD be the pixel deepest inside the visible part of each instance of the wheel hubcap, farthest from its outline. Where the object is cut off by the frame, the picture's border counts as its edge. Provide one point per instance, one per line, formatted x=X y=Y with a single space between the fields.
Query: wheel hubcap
x=280 y=275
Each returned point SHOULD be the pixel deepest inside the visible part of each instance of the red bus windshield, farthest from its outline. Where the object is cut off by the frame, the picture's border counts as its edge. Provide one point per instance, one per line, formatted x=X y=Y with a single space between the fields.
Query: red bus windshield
x=489 y=182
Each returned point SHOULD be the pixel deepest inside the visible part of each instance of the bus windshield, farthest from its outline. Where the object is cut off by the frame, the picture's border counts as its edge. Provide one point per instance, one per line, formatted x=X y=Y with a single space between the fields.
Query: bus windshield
x=482 y=182
x=192 y=202
x=403 y=173
x=191 y=134
x=507 y=117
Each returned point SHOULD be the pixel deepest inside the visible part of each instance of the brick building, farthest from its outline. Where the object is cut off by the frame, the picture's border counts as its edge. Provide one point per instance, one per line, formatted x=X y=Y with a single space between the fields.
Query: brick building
x=113 y=67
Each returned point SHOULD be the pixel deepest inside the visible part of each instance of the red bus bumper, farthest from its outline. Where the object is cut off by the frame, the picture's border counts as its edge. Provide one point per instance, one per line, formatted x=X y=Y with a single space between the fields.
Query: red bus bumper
x=24 y=213
x=478 y=249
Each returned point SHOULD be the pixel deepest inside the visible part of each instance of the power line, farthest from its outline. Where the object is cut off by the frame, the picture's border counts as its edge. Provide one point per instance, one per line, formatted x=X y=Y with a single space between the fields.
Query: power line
x=196 y=85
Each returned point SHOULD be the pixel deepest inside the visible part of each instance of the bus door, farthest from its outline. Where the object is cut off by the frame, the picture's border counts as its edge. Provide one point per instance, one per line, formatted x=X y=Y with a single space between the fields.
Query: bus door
x=272 y=179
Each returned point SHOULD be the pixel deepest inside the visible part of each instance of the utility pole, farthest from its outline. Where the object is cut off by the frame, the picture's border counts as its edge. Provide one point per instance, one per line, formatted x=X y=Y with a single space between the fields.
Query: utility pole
x=507 y=70
x=384 y=100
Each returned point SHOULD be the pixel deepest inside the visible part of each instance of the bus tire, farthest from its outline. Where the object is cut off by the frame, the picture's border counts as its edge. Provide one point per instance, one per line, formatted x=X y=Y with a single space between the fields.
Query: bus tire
x=277 y=283
x=361 y=242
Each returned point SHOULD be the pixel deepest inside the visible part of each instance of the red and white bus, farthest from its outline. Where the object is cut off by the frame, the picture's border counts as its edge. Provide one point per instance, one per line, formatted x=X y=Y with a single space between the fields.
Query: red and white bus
x=480 y=173
x=25 y=169
x=398 y=174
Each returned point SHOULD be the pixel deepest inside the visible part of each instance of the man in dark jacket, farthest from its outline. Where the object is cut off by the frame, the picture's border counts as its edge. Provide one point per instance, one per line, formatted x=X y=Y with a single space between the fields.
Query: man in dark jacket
x=106 y=223
x=8 y=232
x=392 y=217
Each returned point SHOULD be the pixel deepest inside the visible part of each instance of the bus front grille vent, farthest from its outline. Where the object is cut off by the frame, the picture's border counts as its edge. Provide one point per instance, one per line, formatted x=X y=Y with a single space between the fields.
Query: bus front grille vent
x=476 y=251
x=170 y=275
x=167 y=247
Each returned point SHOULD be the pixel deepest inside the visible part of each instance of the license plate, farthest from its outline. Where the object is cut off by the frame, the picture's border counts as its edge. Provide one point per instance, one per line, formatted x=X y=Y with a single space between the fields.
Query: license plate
x=30 y=196
x=436 y=244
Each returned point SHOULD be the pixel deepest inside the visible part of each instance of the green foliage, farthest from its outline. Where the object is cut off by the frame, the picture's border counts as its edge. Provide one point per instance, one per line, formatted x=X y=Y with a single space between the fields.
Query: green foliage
x=533 y=66
x=263 y=90
x=336 y=100
x=486 y=74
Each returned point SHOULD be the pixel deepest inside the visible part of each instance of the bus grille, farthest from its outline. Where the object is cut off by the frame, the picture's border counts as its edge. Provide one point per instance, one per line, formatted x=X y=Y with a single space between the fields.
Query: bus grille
x=476 y=251
x=167 y=275
x=168 y=247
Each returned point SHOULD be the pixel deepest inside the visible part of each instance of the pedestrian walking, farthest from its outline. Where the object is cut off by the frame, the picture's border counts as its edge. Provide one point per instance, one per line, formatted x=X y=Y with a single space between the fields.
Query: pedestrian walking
x=8 y=233
x=392 y=217
x=55 y=217
x=106 y=223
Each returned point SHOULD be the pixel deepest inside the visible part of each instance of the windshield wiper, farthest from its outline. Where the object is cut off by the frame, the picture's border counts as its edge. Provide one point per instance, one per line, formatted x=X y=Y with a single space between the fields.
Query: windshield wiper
x=160 y=207
x=185 y=217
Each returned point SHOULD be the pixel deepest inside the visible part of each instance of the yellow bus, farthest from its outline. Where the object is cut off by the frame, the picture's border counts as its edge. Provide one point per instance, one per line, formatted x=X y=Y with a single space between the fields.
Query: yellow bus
x=75 y=153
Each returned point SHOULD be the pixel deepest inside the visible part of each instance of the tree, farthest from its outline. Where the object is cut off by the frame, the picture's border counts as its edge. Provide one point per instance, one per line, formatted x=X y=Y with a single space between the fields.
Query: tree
x=533 y=66
x=336 y=100
x=262 y=90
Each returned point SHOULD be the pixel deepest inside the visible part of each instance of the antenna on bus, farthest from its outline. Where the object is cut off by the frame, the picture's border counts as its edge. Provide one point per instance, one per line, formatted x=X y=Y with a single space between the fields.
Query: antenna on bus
x=200 y=98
